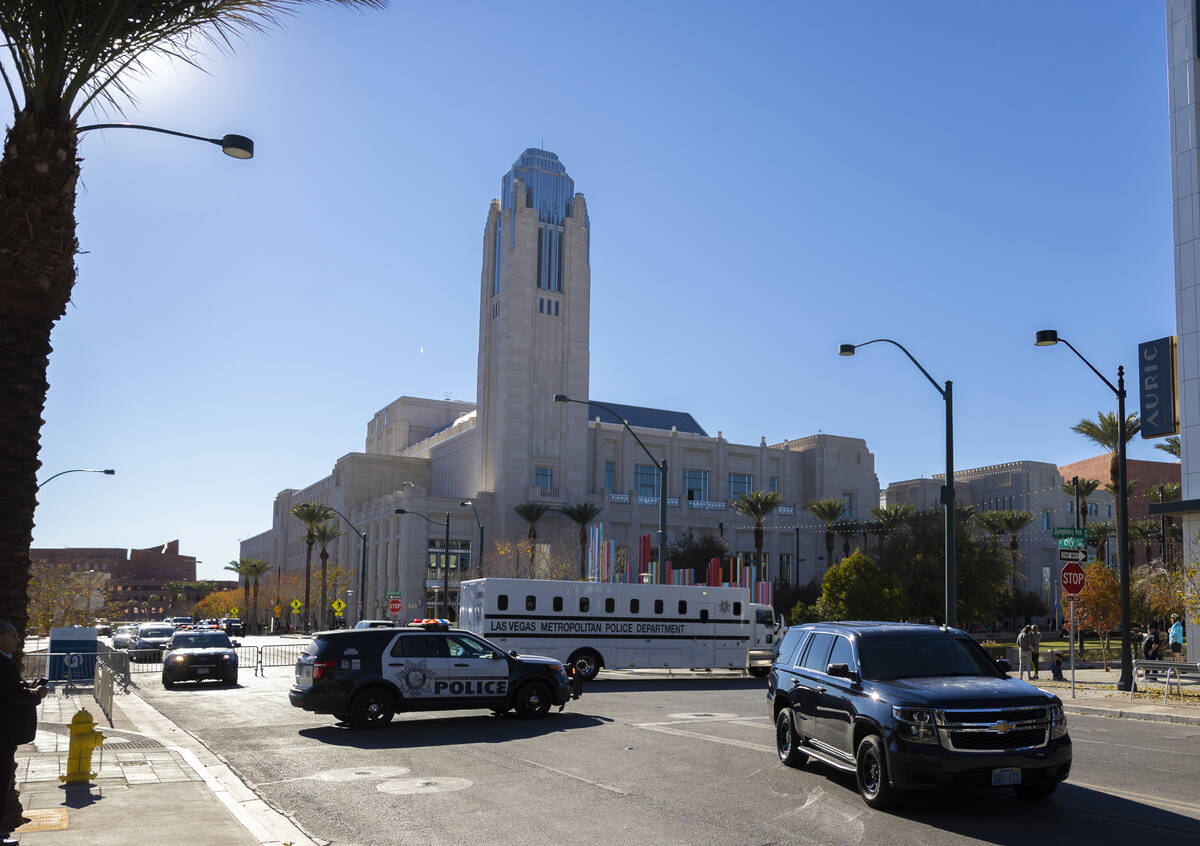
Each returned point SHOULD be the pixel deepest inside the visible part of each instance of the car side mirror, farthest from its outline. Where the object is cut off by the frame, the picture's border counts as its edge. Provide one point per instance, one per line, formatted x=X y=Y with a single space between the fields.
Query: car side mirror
x=513 y=653
x=236 y=644
x=842 y=671
x=1004 y=664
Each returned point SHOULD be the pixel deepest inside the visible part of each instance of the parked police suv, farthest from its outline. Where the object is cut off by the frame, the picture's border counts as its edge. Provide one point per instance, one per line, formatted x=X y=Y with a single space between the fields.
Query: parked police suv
x=364 y=676
x=909 y=707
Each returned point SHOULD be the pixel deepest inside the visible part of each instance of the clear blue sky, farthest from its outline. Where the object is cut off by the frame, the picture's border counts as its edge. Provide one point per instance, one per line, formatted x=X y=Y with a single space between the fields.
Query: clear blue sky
x=764 y=182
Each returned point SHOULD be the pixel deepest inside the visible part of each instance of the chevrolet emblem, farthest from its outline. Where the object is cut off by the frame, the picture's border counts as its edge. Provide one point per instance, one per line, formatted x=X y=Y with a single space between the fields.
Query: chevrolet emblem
x=1002 y=727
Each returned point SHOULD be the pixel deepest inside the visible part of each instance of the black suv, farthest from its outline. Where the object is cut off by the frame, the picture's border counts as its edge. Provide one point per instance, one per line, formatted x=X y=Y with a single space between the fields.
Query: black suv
x=199 y=656
x=908 y=707
x=364 y=676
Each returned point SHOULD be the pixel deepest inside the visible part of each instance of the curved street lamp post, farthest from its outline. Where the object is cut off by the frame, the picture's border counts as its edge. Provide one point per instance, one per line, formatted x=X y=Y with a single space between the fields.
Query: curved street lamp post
x=468 y=503
x=362 y=569
x=235 y=146
x=444 y=604
x=1048 y=338
x=80 y=470
x=662 y=472
x=947 y=393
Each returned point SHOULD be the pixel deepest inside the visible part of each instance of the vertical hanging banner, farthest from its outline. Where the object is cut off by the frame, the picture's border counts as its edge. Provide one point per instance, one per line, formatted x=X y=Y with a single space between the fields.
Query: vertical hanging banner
x=1157 y=383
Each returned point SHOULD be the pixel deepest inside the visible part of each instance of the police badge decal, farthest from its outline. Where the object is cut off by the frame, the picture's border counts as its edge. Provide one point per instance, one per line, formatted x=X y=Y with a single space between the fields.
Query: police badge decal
x=416 y=678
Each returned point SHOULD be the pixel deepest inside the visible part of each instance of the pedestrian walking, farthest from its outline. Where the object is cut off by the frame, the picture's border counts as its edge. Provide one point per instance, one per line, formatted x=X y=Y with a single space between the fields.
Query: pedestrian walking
x=1151 y=647
x=1035 y=642
x=1175 y=638
x=18 y=722
x=1023 y=652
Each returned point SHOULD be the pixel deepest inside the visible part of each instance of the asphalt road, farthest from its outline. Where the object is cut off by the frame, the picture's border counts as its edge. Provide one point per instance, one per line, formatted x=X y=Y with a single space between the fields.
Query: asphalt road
x=654 y=760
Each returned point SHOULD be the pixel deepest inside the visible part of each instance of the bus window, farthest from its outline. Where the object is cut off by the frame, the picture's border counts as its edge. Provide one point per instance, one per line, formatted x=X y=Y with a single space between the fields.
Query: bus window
x=737 y=609
x=502 y=602
x=558 y=603
x=703 y=615
x=634 y=605
x=530 y=602
x=658 y=606
x=610 y=605
x=584 y=603
x=683 y=606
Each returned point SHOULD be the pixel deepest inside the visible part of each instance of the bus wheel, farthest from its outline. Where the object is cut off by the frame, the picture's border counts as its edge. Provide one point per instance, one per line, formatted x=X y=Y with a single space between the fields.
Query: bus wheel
x=586 y=663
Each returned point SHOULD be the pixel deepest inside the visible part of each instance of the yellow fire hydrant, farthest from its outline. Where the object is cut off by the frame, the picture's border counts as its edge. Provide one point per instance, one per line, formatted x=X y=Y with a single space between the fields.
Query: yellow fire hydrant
x=84 y=740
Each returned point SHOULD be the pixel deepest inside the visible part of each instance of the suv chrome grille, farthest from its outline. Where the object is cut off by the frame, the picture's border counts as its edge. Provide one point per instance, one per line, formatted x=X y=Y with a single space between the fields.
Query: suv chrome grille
x=993 y=730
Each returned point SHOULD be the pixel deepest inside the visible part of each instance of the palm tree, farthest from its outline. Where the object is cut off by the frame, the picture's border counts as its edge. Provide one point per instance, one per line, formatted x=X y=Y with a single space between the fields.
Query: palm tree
x=1087 y=487
x=1097 y=536
x=255 y=570
x=1144 y=532
x=1105 y=432
x=65 y=58
x=531 y=512
x=1171 y=446
x=324 y=534
x=583 y=514
x=758 y=506
x=889 y=518
x=242 y=568
x=846 y=529
x=1011 y=522
x=310 y=515
x=1166 y=492
x=828 y=510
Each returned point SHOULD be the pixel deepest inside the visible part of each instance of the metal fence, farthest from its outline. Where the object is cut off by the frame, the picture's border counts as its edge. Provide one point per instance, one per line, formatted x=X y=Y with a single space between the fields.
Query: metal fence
x=102 y=691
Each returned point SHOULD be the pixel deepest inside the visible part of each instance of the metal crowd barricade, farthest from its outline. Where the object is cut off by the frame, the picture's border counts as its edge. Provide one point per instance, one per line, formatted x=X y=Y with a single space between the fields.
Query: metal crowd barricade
x=280 y=654
x=102 y=692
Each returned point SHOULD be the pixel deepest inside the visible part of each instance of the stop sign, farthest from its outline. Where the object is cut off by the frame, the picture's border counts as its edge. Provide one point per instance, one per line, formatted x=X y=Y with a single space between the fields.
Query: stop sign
x=1073 y=580
x=395 y=606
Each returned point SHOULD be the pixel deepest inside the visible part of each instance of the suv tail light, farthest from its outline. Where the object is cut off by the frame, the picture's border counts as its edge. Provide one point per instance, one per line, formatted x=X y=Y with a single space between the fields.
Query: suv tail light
x=319 y=668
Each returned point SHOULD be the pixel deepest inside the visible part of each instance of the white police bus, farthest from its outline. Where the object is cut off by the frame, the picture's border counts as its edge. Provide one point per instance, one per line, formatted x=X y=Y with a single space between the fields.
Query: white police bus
x=590 y=625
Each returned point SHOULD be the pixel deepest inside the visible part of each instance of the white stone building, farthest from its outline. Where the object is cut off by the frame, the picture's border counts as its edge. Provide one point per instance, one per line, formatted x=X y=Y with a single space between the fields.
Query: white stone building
x=517 y=445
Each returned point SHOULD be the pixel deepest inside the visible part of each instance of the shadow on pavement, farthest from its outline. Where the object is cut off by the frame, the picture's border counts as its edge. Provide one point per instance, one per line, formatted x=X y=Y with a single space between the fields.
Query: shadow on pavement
x=450 y=731
x=79 y=795
x=609 y=684
x=1073 y=814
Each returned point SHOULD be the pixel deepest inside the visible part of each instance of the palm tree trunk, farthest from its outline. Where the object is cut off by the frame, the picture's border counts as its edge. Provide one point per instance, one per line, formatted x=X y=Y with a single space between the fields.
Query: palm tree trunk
x=308 y=586
x=828 y=549
x=246 y=594
x=254 y=626
x=532 y=547
x=323 y=616
x=37 y=271
x=582 y=553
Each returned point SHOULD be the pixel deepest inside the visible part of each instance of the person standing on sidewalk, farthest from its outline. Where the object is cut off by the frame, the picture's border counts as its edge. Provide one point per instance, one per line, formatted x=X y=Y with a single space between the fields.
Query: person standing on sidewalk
x=18 y=722
x=1035 y=643
x=1175 y=637
x=1023 y=652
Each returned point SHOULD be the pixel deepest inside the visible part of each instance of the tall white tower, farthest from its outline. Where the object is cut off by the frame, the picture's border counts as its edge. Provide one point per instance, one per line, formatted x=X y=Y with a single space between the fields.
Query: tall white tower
x=534 y=304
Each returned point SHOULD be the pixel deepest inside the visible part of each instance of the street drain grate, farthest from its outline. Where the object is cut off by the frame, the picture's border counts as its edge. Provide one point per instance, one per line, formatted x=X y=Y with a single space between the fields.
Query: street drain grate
x=411 y=786
x=113 y=738
x=53 y=819
x=361 y=773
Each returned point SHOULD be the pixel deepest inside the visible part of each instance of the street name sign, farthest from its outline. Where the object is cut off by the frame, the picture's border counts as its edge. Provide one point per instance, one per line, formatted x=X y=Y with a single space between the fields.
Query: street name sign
x=394 y=593
x=1059 y=532
x=1073 y=579
x=1072 y=555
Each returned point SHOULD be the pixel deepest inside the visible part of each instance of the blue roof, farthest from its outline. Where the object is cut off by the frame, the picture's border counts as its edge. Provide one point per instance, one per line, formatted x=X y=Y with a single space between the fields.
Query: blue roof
x=647 y=418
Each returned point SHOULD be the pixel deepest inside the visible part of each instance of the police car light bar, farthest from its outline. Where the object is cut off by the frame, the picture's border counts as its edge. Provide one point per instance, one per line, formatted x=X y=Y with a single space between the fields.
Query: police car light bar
x=431 y=624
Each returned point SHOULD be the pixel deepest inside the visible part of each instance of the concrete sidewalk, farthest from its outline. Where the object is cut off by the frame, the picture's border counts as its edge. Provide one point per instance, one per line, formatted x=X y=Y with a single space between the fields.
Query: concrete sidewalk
x=155 y=783
x=1096 y=694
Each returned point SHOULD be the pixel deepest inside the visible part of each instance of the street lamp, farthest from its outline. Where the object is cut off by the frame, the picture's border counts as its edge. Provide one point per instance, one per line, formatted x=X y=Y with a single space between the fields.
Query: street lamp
x=80 y=470
x=1048 y=338
x=662 y=471
x=947 y=393
x=464 y=504
x=236 y=146
x=362 y=569
x=445 y=601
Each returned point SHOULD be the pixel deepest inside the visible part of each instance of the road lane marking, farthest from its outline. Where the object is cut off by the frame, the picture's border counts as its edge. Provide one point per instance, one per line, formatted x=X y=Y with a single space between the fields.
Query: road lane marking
x=728 y=741
x=1132 y=746
x=607 y=787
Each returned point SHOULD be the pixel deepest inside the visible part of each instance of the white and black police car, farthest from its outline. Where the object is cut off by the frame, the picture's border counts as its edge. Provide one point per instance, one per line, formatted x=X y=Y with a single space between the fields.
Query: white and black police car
x=364 y=676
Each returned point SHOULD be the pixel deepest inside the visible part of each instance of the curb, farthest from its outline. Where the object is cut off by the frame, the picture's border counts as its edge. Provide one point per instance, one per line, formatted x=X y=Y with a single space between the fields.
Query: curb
x=1091 y=711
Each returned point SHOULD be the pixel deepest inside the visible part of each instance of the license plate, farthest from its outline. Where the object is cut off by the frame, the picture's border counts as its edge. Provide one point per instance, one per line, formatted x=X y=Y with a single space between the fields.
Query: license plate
x=202 y=671
x=1006 y=775
x=304 y=675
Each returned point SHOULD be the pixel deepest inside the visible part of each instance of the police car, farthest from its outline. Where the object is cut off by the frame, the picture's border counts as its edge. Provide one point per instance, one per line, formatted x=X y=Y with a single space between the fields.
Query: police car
x=364 y=676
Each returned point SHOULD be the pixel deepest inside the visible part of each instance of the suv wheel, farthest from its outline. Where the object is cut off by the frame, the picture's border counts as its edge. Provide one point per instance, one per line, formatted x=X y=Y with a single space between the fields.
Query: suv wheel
x=787 y=744
x=1036 y=791
x=533 y=700
x=870 y=770
x=371 y=708
x=167 y=683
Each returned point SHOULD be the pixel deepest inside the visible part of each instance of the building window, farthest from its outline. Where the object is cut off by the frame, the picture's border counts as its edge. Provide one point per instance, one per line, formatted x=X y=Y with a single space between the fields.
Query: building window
x=1107 y=510
x=646 y=480
x=459 y=557
x=695 y=485
x=610 y=476
x=556 y=308
x=740 y=483
x=848 y=513
x=773 y=484
x=544 y=477
x=1046 y=521
x=1070 y=508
